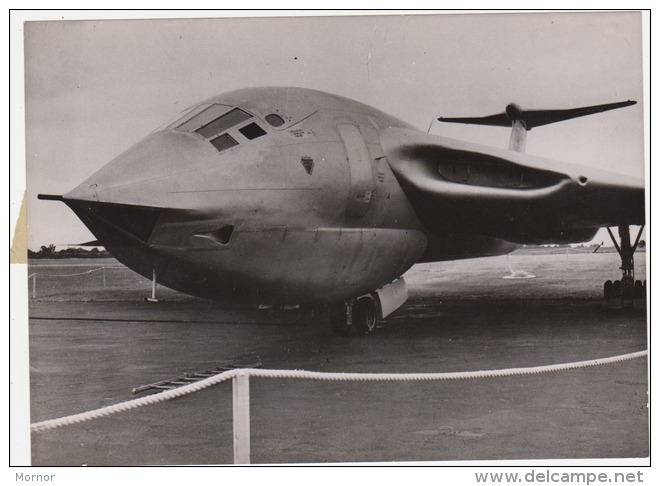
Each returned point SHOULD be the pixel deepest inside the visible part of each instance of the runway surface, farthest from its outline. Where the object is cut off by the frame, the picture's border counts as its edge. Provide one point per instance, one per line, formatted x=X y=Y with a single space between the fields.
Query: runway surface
x=89 y=348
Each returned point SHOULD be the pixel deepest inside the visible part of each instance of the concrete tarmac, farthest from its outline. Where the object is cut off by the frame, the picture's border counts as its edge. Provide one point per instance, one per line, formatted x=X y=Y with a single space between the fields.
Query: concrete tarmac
x=88 y=354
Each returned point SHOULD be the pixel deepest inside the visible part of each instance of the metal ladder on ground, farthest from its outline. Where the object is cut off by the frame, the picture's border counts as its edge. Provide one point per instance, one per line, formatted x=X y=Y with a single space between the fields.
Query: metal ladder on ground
x=188 y=378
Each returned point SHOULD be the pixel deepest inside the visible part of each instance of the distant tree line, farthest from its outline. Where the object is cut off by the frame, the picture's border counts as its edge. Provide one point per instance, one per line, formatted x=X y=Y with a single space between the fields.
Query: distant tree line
x=50 y=251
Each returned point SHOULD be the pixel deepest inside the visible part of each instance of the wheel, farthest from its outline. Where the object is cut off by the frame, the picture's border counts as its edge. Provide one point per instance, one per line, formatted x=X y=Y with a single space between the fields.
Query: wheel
x=639 y=290
x=339 y=320
x=628 y=288
x=607 y=289
x=617 y=292
x=364 y=315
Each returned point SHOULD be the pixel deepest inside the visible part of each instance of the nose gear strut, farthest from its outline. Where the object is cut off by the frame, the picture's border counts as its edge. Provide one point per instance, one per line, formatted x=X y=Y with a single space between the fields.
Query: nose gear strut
x=627 y=289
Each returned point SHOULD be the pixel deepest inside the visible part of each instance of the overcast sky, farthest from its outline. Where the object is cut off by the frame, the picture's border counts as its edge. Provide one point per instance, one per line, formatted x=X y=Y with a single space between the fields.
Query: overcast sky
x=94 y=88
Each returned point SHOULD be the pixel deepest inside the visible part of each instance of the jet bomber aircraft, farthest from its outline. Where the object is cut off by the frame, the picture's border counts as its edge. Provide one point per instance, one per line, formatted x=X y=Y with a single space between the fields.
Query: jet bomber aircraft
x=281 y=195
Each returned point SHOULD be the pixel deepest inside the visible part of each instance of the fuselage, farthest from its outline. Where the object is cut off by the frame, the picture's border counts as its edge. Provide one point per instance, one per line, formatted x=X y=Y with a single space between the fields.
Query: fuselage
x=295 y=196
x=262 y=195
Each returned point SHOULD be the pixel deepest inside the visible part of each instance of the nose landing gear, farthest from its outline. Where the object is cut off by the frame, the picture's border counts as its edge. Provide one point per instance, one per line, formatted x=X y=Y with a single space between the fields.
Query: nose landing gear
x=354 y=317
x=627 y=289
x=359 y=315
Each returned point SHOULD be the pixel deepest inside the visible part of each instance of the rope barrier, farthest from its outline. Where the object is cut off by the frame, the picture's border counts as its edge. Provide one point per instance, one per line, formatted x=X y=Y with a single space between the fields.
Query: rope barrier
x=68 y=275
x=317 y=375
x=103 y=269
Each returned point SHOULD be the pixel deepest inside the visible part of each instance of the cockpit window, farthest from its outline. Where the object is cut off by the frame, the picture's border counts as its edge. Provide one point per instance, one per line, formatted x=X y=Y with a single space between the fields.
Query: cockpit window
x=275 y=120
x=202 y=115
x=219 y=124
x=252 y=131
x=222 y=123
x=223 y=142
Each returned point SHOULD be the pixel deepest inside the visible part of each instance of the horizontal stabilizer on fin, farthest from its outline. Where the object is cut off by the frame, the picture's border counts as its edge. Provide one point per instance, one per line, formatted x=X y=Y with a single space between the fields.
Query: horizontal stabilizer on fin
x=535 y=118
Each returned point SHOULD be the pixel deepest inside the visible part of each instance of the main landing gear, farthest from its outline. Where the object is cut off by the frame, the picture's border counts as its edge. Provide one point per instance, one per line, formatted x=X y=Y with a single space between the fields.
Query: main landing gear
x=627 y=289
x=354 y=317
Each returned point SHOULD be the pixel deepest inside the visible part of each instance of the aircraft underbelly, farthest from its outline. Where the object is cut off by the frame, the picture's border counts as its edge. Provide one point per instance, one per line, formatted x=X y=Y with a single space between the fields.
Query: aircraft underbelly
x=282 y=265
x=301 y=266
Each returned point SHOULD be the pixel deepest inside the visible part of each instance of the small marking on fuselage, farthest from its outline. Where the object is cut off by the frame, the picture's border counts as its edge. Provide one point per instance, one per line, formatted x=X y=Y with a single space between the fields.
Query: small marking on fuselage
x=302 y=133
x=307 y=163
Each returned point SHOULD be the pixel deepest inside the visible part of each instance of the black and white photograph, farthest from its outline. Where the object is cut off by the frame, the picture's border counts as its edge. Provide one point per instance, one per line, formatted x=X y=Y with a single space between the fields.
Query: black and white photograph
x=335 y=238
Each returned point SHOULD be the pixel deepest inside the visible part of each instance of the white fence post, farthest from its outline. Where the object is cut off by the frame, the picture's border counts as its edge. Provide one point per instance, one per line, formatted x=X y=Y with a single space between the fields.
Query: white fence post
x=241 y=406
x=153 y=285
x=34 y=286
x=153 y=288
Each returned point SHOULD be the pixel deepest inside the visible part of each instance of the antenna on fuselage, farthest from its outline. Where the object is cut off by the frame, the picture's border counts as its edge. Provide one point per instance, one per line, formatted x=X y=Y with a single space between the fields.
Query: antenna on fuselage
x=521 y=121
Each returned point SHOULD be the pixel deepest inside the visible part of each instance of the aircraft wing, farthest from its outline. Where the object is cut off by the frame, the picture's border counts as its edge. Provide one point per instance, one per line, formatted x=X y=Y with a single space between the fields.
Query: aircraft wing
x=89 y=243
x=462 y=188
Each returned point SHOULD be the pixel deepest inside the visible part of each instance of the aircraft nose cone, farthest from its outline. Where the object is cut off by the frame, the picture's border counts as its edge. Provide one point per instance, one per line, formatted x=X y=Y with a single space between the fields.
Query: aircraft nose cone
x=145 y=173
x=116 y=223
x=84 y=192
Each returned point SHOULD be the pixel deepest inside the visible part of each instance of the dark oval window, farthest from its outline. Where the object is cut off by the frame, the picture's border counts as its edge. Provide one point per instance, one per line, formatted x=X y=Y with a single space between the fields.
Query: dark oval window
x=275 y=120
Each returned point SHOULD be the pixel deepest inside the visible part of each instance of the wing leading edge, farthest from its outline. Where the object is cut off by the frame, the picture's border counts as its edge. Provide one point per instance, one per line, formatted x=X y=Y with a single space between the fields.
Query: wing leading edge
x=462 y=188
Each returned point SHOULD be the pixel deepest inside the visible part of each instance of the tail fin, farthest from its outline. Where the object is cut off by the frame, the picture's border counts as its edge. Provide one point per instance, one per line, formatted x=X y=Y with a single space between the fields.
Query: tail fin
x=522 y=121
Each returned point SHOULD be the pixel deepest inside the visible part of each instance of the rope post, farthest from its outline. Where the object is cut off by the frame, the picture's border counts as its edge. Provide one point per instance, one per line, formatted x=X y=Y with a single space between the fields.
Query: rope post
x=153 y=285
x=153 y=288
x=241 y=407
x=103 y=277
x=34 y=286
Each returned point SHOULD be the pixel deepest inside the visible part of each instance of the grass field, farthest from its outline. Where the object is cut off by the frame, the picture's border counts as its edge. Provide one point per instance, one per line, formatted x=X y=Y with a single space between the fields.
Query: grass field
x=566 y=276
